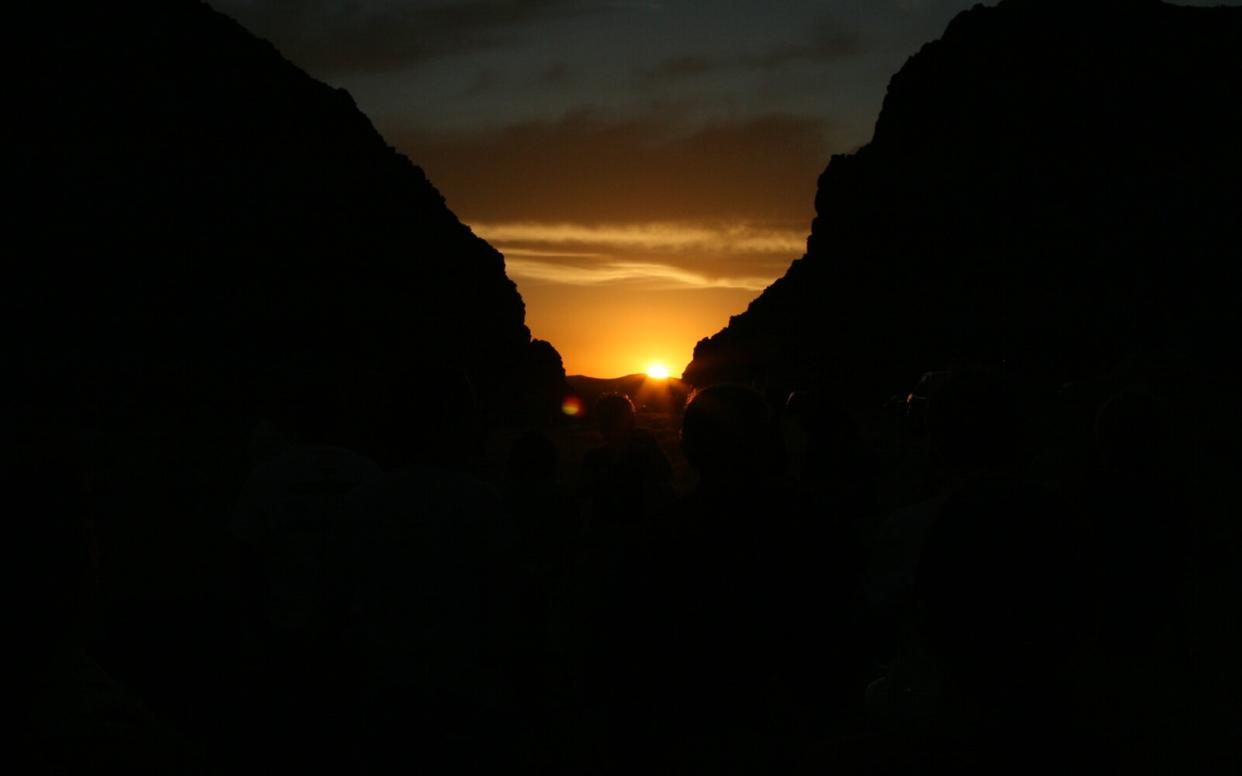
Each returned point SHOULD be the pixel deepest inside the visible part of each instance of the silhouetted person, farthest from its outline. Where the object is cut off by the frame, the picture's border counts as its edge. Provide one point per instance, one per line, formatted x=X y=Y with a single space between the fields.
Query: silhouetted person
x=795 y=556
x=627 y=477
x=974 y=427
x=547 y=535
x=824 y=446
x=624 y=484
x=728 y=437
x=1003 y=611
x=833 y=475
x=832 y=471
x=434 y=592
x=545 y=521
x=716 y=651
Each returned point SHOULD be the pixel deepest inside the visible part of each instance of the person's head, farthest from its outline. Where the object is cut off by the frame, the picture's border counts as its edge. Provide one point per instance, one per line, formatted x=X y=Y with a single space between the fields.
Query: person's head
x=614 y=417
x=819 y=433
x=727 y=431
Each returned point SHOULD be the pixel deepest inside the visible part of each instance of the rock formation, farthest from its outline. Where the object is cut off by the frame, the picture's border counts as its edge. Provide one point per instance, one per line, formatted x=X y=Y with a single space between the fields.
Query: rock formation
x=1052 y=185
x=195 y=208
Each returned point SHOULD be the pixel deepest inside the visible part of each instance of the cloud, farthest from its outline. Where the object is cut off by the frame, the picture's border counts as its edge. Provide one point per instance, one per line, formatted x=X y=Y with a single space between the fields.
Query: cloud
x=828 y=42
x=724 y=200
x=588 y=168
x=660 y=256
x=659 y=236
x=541 y=253
x=340 y=37
x=659 y=277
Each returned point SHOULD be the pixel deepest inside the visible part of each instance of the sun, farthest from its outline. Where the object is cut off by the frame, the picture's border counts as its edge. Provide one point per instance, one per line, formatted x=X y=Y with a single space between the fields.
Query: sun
x=657 y=371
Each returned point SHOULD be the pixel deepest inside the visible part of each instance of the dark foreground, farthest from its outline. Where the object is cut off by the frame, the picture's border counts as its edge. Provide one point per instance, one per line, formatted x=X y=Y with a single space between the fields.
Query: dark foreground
x=955 y=586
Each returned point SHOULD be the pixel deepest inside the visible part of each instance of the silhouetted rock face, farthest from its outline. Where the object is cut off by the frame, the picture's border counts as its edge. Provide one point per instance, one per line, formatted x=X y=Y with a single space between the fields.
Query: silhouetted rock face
x=1054 y=185
x=196 y=206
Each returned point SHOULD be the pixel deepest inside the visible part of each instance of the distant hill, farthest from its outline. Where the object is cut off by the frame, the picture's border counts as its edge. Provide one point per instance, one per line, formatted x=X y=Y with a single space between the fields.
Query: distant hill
x=1052 y=185
x=667 y=395
x=195 y=208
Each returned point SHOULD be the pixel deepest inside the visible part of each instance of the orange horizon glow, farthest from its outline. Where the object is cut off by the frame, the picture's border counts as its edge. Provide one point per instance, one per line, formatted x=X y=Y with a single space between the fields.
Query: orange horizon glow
x=618 y=300
x=613 y=331
x=632 y=238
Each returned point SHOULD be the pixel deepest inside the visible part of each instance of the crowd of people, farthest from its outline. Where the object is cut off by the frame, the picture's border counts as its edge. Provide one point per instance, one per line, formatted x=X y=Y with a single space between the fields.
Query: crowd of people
x=981 y=601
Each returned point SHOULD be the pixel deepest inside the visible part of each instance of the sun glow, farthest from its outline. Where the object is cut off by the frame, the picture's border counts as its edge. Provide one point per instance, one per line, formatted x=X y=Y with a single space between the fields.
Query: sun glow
x=657 y=371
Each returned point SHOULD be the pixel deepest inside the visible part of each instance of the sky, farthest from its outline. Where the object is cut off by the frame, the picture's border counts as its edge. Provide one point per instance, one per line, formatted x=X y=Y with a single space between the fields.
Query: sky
x=645 y=167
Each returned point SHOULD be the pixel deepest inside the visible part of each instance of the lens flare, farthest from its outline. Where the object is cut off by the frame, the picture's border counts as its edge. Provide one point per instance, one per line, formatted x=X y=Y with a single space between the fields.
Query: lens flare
x=572 y=406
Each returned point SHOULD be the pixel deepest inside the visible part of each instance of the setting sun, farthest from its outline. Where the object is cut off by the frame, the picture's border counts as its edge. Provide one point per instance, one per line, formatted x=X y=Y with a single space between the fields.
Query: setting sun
x=658 y=371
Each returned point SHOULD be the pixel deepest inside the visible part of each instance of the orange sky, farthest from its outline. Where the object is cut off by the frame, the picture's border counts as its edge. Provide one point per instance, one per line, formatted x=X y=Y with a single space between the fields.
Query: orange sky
x=615 y=299
x=631 y=241
x=609 y=331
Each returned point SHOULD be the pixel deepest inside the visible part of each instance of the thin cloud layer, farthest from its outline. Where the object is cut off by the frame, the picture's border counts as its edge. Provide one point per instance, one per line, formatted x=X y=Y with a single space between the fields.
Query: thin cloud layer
x=659 y=255
x=659 y=236
x=655 y=276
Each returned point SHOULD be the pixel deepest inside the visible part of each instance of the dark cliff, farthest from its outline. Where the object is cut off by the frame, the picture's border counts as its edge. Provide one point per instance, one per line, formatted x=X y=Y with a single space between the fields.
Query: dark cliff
x=1052 y=185
x=195 y=208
